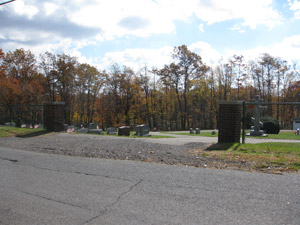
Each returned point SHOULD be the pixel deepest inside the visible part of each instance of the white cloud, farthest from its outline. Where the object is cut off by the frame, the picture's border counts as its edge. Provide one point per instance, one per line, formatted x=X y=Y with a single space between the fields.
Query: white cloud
x=208 y=54
x=50 y=8
x=118 y=18
x=295 y=6
x=137 y=58
x=288 y=49
x=24 y=9
x=252 y=12
x=201 y=27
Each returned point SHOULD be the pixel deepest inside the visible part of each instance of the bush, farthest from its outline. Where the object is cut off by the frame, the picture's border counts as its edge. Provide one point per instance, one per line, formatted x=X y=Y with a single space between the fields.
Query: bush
x=271 y=125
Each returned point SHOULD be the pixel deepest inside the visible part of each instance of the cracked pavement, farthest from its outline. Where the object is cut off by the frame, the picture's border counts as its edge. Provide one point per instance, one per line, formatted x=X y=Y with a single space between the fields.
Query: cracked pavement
x=38 y=188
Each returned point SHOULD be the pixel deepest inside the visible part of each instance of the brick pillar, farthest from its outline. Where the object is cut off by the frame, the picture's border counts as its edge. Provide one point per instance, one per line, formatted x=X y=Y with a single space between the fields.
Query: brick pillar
x=55 y=116
x=230 y=114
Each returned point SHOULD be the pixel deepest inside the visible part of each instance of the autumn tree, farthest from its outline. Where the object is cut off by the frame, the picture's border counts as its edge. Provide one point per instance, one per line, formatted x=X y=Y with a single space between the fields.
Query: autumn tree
x=190 y=65
x=20 y=67
x=48 y=66
x=65 y=75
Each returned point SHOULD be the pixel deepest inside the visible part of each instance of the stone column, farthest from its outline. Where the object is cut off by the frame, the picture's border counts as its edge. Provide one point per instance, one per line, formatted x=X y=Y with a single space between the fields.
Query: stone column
x=55 y=116
x=230 y=118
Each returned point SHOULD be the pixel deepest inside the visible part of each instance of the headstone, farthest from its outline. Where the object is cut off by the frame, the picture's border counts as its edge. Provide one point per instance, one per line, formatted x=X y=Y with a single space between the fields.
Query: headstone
x=93 y=129
x=124 y=131
x=255 y=130
x=40 y=126
x=197 y=130
x=83 y=130
x=93 y=126
x=192 y=131
x=10 y=124
x=142 y=130
x=296 y=123
x=70 y=129
x=111 y=131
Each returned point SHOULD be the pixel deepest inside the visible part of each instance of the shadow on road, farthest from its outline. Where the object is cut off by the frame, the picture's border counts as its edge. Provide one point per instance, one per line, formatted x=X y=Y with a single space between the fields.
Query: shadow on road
x=33 y=134
x=222 y=146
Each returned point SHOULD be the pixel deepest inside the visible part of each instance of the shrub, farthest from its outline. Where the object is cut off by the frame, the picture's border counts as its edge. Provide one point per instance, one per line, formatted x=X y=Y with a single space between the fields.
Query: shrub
x=271 y=125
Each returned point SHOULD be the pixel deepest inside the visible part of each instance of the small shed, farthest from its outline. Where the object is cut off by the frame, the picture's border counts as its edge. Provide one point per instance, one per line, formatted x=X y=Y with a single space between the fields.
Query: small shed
x=296 y=123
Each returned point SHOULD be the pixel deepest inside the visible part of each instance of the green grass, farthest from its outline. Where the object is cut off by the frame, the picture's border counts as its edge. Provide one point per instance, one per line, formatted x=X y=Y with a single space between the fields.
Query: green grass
x=202 y=133
x=288 y=135
x=16 y=131
x=284 y=155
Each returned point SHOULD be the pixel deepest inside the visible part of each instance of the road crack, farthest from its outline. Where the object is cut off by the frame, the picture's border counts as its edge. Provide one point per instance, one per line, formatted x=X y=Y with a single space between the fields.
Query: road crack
x=10 y=160
x=106 y=208
x=43 y=197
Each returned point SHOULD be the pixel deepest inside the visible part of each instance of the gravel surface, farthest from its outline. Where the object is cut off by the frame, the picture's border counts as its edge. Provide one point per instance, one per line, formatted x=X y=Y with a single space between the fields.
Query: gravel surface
x=123 y=148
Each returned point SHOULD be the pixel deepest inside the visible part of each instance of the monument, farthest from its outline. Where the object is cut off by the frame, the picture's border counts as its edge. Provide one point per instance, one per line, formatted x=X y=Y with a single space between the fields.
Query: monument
x=142 y=130
x=93 y=129
x=255 y=130
x=124 y=131
x=111 y=131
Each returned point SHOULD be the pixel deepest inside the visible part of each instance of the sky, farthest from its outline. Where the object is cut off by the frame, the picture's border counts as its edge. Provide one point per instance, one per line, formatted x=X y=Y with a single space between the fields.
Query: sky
x=139 y=33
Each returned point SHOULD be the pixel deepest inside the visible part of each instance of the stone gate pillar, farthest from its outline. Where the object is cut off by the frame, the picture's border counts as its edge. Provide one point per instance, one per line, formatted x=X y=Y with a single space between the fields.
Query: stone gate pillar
x=55 y=116
x=230 y=118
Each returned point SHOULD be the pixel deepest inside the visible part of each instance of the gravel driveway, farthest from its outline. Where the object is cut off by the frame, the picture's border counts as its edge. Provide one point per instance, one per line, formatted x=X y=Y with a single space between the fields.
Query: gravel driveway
x=181 y=150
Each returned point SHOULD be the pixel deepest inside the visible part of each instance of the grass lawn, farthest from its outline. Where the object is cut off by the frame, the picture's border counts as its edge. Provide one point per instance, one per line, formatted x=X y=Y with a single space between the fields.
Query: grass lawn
x=16 y=131
x=285 y=155
x=285 y=135
x=202 y=133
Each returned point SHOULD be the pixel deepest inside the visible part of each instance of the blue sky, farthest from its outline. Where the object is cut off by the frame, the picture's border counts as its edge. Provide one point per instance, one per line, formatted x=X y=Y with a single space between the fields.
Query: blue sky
x=136 y=33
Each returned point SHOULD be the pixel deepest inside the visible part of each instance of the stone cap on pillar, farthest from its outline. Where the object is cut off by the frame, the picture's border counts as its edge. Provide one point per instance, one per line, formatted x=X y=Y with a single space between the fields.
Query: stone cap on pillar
x=55 y=103
x=232 y=102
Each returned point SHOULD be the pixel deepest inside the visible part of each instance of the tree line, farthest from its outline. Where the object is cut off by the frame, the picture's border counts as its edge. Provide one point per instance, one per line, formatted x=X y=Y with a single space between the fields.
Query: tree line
x=180 y=95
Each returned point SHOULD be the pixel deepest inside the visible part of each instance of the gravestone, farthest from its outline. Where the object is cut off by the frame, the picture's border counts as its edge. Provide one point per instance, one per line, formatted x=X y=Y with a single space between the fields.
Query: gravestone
x=82 y=130
x=255 y=130
x=142 y=130
x=93 y=129
x=197 y=130
x=10 y=124
x=192 y=131
x=296 y=123
x=124 y=131
x=111 y=131
x=40 y=126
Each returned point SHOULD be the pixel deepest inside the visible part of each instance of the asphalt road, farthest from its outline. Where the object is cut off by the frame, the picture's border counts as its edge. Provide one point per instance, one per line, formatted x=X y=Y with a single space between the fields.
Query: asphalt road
x=37 y=188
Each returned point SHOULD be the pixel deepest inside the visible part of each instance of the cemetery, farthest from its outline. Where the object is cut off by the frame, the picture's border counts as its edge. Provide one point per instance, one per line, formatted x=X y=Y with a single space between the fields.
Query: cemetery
x=202 y=145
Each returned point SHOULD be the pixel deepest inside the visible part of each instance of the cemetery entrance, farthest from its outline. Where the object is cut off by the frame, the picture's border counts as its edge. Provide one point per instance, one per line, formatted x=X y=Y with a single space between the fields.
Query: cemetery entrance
x=270 y=122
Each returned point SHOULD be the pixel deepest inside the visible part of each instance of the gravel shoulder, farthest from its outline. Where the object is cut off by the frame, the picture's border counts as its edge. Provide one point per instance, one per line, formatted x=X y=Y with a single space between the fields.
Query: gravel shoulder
x=181 y=150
